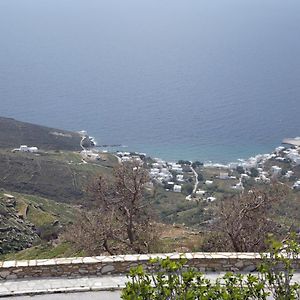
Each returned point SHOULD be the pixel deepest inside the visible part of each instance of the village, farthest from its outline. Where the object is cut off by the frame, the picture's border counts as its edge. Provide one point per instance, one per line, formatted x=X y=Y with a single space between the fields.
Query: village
x=207 y=181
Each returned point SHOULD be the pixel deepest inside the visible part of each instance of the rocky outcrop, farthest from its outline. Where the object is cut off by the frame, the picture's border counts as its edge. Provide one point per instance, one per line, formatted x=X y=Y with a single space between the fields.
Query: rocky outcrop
x=16 y=233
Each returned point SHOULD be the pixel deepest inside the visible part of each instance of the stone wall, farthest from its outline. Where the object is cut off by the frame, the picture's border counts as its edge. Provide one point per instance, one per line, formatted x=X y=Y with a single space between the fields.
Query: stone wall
x=114 y=265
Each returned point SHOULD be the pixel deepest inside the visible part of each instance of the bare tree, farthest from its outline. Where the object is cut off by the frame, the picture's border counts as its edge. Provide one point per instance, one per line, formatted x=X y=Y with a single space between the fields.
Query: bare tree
x=118 y=219
x=244 y=222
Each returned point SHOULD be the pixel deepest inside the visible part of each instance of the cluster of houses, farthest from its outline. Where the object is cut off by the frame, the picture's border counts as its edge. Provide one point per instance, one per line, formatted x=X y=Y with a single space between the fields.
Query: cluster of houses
x=90 y=155
x=264 y=175
x=281 y=154
x=163 y=173
x=131 y=157
x=25 y=148
x=173 y=175
x=293 y=155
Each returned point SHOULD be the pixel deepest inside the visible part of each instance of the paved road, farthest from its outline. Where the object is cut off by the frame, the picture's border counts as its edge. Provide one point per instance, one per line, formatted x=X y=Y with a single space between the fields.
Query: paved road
x=72 y=296
x=55 y=286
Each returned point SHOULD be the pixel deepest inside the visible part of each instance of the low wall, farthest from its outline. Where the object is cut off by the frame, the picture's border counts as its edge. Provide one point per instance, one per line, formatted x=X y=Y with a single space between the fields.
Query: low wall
x=120 y=264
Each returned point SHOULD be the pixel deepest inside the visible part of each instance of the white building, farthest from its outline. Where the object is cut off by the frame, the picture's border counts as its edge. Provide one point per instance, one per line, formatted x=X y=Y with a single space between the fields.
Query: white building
x=88 y=154
x=177 y=188
x=296 y=185
x=289 y=174
x=279 y=149
x=224 y=175
x=25 y=148
x=276 y=170
x=239 y=186
x=211 y=199
x=179 y=177
x=209 y=182
x=176 y=168
x=244 y=176
x=258 y=179
x=200 y=192
x=125 y=158
x=293 y=155
x=155 y=165
x=33 y=149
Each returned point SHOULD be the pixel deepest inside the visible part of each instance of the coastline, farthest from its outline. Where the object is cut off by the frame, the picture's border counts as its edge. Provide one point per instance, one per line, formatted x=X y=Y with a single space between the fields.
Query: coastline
x=251 y=161
x=222 y=155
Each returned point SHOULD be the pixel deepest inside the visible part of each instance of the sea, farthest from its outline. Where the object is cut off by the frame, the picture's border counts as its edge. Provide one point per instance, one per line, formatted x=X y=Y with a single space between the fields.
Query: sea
x=208 y=80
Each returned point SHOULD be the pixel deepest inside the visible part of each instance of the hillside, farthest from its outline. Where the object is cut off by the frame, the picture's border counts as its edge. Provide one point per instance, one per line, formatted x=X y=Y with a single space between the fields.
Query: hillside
x=14 y=133
x=61 y=176
x=27 y=220
x=15 y=232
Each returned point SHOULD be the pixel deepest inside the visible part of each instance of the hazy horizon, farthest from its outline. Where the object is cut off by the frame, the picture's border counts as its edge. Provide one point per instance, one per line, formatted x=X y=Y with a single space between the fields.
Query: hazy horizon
x=206 y=80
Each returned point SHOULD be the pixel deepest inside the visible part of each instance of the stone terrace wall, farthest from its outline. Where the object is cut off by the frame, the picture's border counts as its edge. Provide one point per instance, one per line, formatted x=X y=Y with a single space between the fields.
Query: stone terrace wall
x=120 y=264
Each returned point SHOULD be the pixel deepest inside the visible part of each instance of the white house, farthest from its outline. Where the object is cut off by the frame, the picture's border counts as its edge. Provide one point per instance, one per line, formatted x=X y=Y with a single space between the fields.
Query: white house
x=239 y=186
x=165 y=171
x=33 y=149
x=279 y=149
x=296 y=185
x=125 y=158
x=25 y=148
x=265 y=179
x=179 y=177
x=88 y=154
x=209 y=182
x=293 y=155
x=177 y=188
x=210 y=199
x=257 y=179
x=176 y=168
x=224 y=175
x=276 y=170
x=289 y=174
x=200 y=192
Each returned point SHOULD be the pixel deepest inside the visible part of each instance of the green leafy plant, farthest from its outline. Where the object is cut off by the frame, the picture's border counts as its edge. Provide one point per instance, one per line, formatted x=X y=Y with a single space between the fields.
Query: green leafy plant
x=277 y=269
x=173 y=280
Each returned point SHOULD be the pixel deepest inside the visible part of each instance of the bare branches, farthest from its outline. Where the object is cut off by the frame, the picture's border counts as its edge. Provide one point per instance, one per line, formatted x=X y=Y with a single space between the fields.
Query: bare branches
x=244 y=222
x=118 y=220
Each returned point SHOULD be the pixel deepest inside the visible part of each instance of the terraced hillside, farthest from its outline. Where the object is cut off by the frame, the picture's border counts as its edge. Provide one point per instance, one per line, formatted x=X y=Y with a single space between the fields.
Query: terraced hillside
x=27 y=220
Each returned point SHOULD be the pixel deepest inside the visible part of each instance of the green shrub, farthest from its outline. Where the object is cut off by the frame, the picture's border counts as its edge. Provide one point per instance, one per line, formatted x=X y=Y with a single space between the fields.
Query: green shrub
x=170 y=280
x=173 y=280
x=277 y=269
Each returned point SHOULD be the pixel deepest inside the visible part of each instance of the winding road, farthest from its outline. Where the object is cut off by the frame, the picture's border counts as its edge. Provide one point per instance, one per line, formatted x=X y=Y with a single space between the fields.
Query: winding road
x=189 y=197
x=196 y=180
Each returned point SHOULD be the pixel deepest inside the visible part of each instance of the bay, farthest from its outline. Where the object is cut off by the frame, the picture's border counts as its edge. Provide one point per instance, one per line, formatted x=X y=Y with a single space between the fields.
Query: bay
x=198 y=79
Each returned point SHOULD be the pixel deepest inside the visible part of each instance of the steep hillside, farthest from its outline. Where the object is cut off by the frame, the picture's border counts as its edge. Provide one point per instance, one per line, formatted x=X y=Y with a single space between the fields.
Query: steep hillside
x=14 y=133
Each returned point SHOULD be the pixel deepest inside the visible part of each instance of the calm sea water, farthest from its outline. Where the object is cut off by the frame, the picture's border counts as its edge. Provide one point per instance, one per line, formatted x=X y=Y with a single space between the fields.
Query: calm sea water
x=198 y=79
